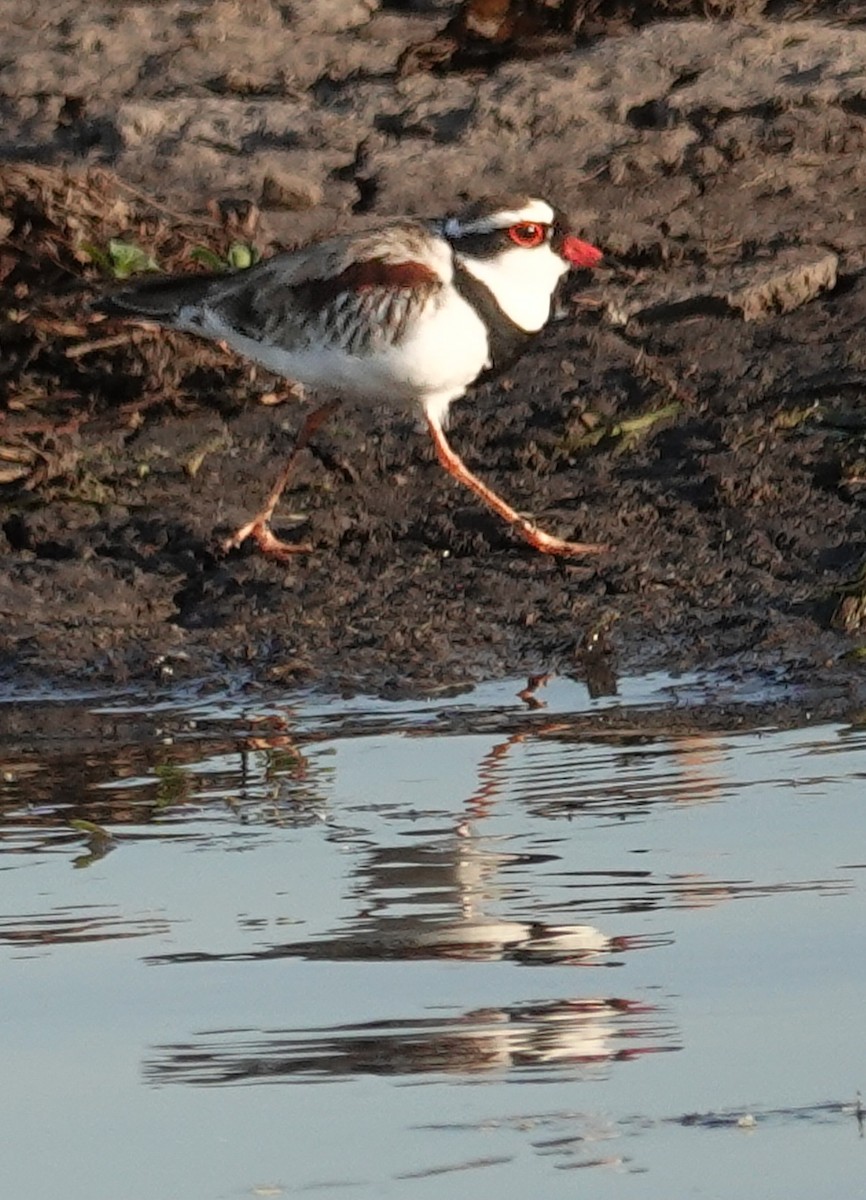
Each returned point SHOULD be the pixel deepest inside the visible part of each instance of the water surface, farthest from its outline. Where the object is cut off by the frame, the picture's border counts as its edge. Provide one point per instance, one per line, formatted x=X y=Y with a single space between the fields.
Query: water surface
x=271 y=945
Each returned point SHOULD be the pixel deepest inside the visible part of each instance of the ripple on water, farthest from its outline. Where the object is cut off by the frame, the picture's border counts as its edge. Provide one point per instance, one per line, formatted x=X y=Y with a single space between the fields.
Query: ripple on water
x=476 y=891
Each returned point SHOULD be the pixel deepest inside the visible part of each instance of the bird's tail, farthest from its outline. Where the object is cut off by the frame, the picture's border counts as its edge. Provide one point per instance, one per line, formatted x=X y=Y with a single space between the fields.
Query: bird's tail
x=161 y=299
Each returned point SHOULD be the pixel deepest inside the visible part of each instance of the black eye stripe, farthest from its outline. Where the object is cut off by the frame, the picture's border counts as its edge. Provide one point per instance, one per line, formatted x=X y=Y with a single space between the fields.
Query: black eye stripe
x=481 y=245
x=488 y=245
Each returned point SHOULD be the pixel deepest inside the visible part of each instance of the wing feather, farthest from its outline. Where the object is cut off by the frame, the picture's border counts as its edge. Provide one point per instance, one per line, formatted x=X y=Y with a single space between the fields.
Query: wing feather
x=355 y=293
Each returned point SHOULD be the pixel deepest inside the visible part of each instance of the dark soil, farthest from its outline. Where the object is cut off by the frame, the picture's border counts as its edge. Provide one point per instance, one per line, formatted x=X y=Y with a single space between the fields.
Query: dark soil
x=722 y=458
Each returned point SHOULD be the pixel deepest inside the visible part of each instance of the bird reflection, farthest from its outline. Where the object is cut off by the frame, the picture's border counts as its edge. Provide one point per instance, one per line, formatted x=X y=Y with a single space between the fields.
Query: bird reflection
x=441 y=897
x=580 y=1035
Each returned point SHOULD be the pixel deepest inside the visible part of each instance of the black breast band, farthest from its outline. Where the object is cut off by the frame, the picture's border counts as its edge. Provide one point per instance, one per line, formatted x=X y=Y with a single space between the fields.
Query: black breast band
x=506 y=341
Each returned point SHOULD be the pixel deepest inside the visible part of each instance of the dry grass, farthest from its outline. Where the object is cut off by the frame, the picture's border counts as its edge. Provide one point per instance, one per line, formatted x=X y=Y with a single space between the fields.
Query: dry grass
x=60 y=365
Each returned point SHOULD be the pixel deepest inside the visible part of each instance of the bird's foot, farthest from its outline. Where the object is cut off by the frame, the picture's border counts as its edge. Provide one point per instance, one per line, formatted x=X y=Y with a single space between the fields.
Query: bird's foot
x=260 y=531
x=548 y=544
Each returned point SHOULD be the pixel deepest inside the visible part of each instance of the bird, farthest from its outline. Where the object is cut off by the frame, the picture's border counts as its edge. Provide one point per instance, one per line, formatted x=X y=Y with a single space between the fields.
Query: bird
x=412 y=312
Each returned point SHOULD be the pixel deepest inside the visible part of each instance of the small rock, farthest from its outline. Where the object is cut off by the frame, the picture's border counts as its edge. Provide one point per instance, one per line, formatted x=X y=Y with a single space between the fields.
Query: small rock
x=291 y=192
x=786 y=286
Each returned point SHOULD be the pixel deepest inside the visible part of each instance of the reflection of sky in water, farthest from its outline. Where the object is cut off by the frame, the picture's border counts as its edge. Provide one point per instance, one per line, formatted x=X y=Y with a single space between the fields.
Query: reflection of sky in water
x=517 y=910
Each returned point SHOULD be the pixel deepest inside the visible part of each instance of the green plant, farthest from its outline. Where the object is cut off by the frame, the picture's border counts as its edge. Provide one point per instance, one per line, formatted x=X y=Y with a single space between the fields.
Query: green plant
x=121 y=259
x=239 y=257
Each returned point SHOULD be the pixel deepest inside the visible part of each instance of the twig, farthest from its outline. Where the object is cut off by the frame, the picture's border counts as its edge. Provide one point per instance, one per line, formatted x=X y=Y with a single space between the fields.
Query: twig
x=107 y=343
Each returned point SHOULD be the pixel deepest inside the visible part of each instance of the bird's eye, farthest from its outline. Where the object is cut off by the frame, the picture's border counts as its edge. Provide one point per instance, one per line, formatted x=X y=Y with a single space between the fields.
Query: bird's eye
x=527 y=234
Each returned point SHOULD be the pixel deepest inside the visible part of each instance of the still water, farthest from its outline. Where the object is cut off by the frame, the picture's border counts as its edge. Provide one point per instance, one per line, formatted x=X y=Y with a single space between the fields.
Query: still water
x=264 y=945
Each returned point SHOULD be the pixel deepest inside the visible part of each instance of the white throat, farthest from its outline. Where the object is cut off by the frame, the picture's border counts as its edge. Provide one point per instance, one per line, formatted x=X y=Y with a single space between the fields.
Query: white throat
x=522 y=282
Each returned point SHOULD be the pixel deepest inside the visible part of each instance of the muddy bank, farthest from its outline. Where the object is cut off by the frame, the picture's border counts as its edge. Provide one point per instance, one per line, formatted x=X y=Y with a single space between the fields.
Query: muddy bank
x=699 y=407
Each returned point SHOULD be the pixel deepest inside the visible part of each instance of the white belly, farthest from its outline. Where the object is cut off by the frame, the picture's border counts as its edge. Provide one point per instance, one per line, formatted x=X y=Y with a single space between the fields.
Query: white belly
x=438 y=359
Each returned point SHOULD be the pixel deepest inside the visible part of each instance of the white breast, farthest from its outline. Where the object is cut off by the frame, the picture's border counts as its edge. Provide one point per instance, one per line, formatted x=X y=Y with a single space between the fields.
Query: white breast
x=438 y=358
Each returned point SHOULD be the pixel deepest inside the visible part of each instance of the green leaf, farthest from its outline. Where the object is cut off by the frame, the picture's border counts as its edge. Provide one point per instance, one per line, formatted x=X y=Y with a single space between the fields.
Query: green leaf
x=241 y=256
x=207 y=258
x=128 y=259
x=97 y=256
x=89 y=827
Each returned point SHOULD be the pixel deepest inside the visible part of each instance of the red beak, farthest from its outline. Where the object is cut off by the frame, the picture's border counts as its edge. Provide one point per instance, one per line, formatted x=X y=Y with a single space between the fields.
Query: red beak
x=580 y=254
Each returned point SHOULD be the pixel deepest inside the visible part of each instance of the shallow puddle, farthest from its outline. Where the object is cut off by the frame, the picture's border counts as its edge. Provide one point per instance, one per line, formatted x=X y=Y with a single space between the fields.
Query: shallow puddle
x=264 y=945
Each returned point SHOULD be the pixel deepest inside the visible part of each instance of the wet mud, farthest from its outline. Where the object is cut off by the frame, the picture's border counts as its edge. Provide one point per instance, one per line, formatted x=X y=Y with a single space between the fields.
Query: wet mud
x=698 y=407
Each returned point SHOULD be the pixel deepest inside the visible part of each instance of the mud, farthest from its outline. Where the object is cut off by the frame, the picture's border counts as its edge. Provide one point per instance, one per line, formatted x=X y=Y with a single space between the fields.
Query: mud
x=699 y=406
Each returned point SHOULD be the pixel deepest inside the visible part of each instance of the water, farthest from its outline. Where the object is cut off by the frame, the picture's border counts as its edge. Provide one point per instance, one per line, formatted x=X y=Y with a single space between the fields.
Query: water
x=264 y=945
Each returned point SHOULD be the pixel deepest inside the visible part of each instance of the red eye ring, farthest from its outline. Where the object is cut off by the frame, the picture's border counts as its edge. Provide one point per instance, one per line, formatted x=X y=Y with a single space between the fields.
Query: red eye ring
x=527 y=234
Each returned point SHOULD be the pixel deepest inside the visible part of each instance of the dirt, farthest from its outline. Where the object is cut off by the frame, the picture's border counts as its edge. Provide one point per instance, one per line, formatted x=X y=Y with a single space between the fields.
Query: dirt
x=698 y=407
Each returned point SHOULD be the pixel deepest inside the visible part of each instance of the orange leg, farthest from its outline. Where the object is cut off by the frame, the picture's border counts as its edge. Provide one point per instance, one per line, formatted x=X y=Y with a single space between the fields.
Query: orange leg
x=259 y=527
x=545 y=542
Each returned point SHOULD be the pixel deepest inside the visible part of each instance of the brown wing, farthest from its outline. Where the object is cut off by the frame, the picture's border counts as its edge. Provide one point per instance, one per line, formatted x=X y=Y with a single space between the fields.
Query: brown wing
x=354 y=293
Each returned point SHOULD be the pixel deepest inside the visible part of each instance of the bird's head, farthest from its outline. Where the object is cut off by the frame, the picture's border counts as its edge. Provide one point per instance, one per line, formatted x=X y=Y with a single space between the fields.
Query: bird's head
x=519 y=248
